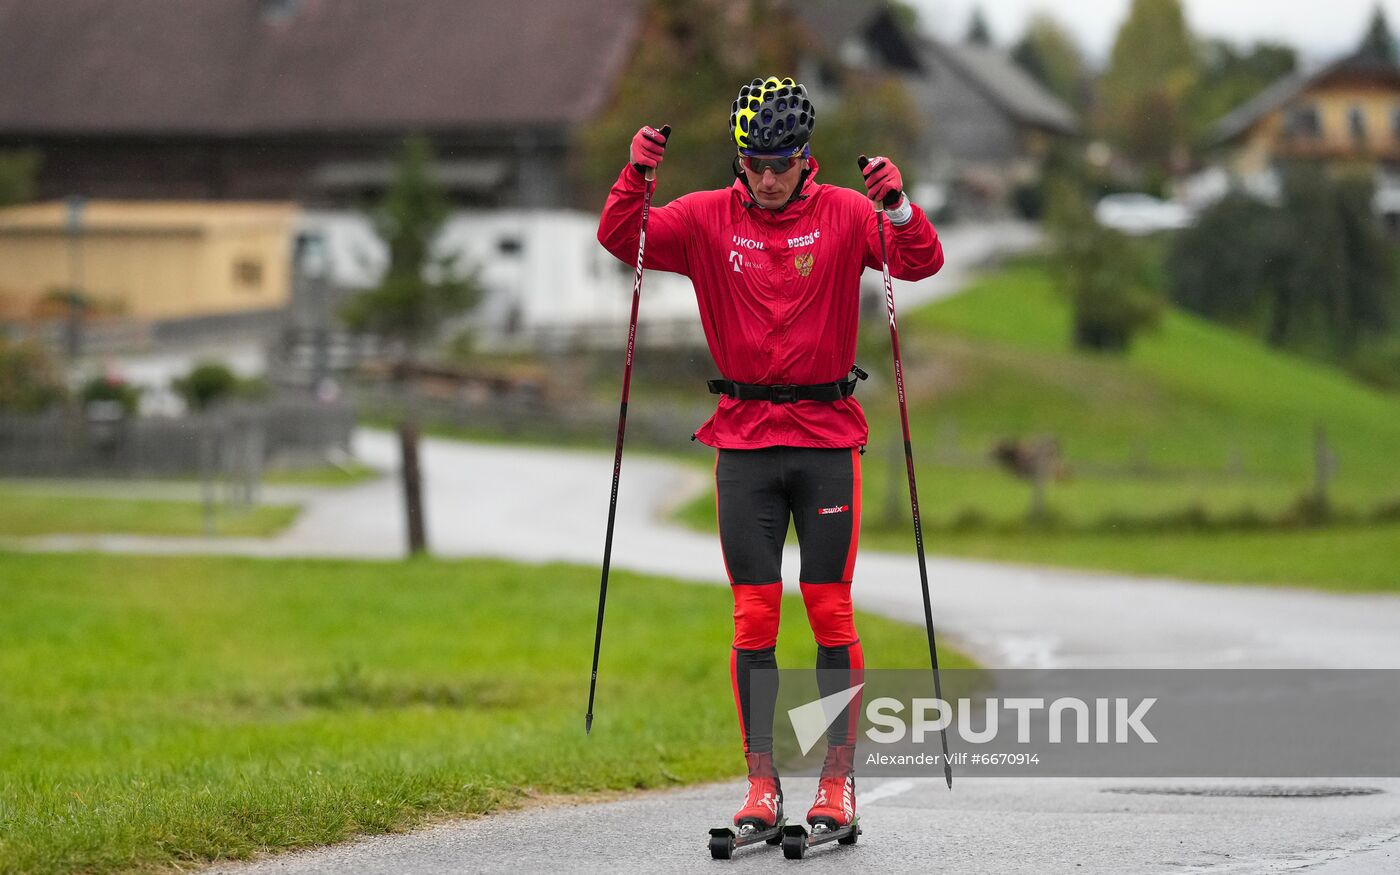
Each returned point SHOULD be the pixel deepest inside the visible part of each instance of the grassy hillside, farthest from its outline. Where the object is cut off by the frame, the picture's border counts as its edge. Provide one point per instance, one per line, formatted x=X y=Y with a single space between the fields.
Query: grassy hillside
x=1194 y=415
x=1191 y=393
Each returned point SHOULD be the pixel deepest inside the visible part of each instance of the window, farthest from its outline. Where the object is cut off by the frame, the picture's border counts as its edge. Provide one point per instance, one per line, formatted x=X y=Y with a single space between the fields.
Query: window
x=248 y=274
x=1303 y=124
x=1356 y=121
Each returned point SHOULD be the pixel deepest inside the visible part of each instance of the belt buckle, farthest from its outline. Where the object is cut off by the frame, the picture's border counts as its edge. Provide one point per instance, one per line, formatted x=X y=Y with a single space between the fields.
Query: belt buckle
x=783 y=394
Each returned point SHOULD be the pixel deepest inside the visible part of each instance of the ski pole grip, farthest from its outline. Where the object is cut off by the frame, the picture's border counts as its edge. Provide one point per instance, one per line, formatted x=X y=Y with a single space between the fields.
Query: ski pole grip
x=665 y=133
x=861 y=162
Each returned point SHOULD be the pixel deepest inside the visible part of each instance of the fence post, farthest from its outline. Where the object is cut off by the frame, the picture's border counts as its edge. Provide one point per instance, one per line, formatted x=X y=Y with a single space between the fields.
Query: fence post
x=207 y=453
x=412 y=487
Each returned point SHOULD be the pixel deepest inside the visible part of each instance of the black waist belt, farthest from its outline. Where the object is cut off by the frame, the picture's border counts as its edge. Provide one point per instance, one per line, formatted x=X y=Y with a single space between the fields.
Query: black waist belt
x=789 y=394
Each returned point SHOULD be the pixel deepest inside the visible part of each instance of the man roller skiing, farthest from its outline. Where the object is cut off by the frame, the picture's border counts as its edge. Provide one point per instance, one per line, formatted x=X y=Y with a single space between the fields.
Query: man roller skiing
x=776 y=260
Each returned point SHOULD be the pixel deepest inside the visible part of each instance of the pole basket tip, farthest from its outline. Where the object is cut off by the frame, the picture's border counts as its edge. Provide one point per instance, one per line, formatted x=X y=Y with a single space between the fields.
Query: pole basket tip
x=948 y=774
x=588 y=726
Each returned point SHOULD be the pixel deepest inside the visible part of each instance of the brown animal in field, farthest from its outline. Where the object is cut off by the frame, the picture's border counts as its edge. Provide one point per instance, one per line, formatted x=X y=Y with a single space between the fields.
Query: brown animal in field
x=1031 y=458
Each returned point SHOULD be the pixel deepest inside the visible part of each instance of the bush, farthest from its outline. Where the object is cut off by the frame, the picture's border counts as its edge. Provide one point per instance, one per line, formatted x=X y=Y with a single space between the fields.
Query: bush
x=112 y=388
x=1109 y=279
x=29 y=383
x=206 y=384
x=1315 y=273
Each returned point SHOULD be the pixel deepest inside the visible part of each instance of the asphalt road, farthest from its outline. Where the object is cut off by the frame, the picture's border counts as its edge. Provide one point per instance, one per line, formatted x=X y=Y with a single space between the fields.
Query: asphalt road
x=542 y=505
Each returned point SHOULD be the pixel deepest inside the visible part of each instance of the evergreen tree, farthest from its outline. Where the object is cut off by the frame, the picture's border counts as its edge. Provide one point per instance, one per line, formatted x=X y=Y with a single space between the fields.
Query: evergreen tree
x=1152 y=69
x=1378 y=43
x=1049 y=54
x=419 y=290
x=1108 y=278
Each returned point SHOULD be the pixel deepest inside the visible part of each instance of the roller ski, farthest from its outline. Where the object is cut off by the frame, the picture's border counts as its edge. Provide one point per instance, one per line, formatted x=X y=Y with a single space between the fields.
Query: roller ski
x=833 y=814
x=761 y=818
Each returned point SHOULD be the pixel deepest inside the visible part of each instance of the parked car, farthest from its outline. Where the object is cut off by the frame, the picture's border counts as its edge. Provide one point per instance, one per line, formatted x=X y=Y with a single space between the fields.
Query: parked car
x=1136 y=213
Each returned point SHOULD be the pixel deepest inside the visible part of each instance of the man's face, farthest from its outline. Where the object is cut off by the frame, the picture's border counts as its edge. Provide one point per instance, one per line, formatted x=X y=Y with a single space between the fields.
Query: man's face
x=772 y=190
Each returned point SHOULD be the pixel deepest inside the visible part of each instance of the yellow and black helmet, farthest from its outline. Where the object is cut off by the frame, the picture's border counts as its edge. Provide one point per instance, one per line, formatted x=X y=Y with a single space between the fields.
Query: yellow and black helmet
x=772 y=116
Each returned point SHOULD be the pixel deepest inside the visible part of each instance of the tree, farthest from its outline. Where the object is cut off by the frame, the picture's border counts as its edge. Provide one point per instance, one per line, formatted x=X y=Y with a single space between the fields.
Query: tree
x=882 y=105
x=1107 y=277
x=1231 y=76
x=1378 y=43
x=29 y=382
x=691 y=60
x=1314 y=274
x=1152 y=68
x=419 y=289
x=1049 y=53
x=978 y=33
x=206 y=384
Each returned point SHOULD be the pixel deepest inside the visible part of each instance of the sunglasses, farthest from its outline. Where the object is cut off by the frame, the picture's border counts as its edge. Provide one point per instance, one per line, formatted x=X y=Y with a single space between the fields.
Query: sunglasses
x=779 y=166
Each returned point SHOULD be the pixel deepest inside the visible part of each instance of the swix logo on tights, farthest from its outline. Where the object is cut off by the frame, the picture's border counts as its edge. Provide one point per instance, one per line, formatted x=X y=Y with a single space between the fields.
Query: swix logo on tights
x=840 y=508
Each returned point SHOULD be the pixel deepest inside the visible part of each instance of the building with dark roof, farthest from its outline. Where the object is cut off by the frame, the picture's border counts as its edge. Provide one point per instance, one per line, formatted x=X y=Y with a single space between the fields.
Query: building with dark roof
x=1344 y=112
x=305 y=99
x=992 y=124
x=989 y=123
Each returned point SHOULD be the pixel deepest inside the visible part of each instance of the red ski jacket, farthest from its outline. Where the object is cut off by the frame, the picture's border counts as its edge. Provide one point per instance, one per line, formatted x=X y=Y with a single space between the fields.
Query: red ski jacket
x=778 y=291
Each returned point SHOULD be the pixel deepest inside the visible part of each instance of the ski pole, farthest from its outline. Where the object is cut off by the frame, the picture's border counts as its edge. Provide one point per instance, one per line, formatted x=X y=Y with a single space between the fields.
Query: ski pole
x=909 y=464
x=650 y=186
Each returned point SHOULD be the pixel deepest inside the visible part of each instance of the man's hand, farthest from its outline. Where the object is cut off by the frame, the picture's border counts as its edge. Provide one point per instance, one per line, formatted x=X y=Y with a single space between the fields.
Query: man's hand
x=882 y=180
x=649 y=147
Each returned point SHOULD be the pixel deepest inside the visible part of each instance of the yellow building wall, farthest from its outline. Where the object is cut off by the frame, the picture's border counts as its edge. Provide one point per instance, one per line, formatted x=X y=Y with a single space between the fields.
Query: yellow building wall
x=151 y=260
x=1265 y=140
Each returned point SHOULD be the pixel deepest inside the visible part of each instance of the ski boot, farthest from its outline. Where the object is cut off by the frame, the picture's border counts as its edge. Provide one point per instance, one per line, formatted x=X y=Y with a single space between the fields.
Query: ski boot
x=763 y=807
x=833 y=814
x=835 y=805
x=761 y=818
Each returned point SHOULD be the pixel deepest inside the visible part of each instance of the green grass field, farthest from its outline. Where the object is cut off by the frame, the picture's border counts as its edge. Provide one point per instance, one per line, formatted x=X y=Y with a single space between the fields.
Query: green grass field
x=1196 y=418
x=34 y=511
x=171 y=710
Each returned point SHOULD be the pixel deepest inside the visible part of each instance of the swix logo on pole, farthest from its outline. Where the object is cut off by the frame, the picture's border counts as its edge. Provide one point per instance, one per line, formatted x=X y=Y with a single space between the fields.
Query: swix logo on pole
x=840 y=508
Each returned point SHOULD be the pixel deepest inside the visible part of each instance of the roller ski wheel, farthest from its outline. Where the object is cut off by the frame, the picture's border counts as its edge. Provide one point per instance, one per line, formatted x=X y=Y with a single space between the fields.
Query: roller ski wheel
x=797 y=840
x=725 y=840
